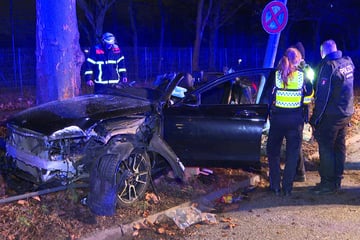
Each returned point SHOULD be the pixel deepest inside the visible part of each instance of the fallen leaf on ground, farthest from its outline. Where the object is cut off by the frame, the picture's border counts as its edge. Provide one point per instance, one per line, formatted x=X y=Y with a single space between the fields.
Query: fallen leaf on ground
x=161 y=230
x=37 y=198
x=152 y=197
x=229 y=219
x=23 y=202
x=138 y=226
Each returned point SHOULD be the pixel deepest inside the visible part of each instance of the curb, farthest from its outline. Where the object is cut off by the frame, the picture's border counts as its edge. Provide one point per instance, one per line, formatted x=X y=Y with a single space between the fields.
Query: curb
x=118 y=232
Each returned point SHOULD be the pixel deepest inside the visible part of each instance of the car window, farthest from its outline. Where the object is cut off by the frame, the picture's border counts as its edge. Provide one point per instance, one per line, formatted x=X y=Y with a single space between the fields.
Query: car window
x=240 y=90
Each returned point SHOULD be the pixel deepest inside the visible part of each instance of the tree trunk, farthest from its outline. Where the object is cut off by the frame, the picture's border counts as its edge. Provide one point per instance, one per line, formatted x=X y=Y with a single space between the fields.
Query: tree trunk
x=201 y=22
x=135 y=39
x=198 y=37
x=58 y=54
x=214 y=35
x=162 y=33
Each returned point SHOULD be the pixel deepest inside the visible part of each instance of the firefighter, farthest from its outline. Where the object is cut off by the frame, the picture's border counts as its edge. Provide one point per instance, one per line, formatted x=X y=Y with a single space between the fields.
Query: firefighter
x=286 y=120
x=105 y=65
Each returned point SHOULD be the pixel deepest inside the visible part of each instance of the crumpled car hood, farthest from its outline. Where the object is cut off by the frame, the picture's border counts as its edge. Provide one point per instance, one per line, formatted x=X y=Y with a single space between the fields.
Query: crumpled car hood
x=82 y=111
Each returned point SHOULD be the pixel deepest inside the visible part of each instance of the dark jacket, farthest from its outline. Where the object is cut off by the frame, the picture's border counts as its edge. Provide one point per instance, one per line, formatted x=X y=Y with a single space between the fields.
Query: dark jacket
x=105 y=66
x=334 y=93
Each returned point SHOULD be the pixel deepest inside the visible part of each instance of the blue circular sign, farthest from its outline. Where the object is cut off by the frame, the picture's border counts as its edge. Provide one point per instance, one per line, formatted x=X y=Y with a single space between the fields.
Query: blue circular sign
x=274 y=17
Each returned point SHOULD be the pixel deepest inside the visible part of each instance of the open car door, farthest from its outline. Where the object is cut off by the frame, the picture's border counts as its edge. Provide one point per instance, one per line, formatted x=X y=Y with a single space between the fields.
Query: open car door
x=219 y=124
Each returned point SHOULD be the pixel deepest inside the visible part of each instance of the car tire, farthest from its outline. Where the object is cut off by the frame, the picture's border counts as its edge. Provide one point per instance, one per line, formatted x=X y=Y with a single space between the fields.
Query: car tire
x=135 y=174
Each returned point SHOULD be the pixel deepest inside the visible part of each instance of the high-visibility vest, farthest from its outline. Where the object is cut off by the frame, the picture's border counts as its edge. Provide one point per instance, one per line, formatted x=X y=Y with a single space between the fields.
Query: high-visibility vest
x=308 y=98
x=310 y=75
x=290 y=96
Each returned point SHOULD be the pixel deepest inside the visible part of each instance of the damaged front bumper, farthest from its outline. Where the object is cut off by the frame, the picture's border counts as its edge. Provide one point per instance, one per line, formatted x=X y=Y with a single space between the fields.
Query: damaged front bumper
x=44 y=158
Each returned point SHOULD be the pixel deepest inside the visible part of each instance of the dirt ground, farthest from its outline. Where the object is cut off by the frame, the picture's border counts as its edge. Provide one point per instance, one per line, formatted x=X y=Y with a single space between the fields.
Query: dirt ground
x=259 y=215
x=301 y=216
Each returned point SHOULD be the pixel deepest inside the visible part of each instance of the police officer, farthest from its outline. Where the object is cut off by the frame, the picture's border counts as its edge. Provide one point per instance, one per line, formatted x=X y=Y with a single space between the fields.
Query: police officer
x=105 y=64
x=286 y=120
x=334 y=106
x=309 y=73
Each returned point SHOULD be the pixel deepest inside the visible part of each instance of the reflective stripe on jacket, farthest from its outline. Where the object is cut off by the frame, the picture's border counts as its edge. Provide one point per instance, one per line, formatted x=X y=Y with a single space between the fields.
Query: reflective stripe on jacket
x=105 y=66
x=290 y=96
x=308 y=98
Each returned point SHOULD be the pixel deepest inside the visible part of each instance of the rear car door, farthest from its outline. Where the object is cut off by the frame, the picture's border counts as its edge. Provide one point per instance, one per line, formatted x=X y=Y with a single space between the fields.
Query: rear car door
x=222 y=126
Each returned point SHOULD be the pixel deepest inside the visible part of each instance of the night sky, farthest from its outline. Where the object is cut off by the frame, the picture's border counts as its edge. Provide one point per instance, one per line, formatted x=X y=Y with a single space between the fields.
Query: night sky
x=309 y=21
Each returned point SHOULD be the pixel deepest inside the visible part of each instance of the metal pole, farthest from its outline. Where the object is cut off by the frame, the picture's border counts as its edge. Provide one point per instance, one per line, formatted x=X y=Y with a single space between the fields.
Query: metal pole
x=146 y=65
x=13 y=39
x=191 y=57
x=20 y=72
x=42 y=192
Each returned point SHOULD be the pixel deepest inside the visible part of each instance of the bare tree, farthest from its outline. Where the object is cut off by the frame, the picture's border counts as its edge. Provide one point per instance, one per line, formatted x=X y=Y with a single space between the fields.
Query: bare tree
x=95 y=11
x=162 y=33
x=58 y=54
x=201 y=22
x=132 y=14
x=222 y=12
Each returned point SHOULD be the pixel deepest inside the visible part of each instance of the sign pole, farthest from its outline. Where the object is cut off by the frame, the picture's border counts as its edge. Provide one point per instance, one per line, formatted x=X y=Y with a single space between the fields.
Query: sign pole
x=274 y=19
x=272 y=46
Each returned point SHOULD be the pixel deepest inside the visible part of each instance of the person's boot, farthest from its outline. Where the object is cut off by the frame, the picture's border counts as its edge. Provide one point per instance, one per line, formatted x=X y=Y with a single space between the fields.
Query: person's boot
x=324 y=188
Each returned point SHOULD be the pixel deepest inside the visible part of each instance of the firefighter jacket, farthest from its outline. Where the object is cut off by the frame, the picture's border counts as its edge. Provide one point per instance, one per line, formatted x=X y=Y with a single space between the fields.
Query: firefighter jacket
x=105 y=66
x=334 y=94
x=291 y=96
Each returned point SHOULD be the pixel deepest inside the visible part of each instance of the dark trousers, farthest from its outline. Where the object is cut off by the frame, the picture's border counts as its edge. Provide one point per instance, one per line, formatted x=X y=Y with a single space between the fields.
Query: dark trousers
x=330 y=135
x=300 y=169
x=287 y=125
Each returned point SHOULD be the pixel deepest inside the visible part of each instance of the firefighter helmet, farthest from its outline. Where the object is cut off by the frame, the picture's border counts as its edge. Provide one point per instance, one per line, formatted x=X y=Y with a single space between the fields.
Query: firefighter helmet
x=108 y=38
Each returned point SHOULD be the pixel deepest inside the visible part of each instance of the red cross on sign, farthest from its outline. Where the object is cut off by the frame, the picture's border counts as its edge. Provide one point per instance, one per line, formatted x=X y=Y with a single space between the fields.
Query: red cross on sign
x=274 y=17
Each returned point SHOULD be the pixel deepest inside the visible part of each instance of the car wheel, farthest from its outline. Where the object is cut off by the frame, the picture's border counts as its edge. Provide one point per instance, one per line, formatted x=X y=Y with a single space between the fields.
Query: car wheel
x=134 y=174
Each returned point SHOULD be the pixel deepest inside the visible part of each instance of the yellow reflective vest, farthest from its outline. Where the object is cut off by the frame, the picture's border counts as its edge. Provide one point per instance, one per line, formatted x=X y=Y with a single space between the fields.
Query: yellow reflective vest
x=290 y=96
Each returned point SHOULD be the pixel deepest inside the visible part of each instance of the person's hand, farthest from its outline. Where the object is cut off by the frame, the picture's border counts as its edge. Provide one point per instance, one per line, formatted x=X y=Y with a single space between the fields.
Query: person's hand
x=90 y=83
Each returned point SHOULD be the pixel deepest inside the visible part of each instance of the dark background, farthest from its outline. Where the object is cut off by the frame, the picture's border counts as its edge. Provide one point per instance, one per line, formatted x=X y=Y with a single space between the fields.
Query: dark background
x=310 y=22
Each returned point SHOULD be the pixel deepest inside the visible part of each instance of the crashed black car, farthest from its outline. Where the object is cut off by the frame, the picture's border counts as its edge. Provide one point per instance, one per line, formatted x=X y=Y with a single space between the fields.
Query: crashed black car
x=121 y=136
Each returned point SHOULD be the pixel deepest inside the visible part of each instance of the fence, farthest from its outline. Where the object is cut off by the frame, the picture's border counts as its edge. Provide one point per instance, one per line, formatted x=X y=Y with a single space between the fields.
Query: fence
x=18 y=67
x=180 y=59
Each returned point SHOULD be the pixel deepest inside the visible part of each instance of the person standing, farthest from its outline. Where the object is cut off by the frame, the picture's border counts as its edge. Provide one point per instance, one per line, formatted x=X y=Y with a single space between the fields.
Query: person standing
x=105 y=65
x=300 y=175
x=334 y=106
x=286 y=120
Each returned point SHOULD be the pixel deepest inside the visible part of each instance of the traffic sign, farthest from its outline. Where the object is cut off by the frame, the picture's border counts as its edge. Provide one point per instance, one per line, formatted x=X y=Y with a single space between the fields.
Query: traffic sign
x=274 y=17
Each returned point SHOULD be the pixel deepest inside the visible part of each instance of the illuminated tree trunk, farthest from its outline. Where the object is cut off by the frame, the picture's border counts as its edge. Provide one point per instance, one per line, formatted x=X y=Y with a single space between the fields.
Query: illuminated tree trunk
x=134 y=29
x=201 y=22
x=58 y=54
